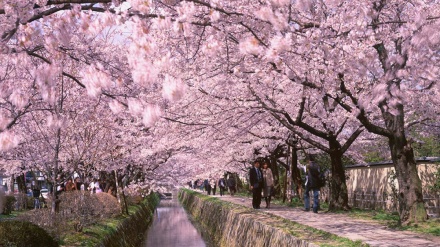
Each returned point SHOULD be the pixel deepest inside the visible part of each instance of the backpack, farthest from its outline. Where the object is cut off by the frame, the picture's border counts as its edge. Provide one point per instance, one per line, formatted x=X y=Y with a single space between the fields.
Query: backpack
x=319 y=176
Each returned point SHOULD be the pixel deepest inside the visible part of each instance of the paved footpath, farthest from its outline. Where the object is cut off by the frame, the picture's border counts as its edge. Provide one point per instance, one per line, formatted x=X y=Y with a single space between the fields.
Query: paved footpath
x=368 y=232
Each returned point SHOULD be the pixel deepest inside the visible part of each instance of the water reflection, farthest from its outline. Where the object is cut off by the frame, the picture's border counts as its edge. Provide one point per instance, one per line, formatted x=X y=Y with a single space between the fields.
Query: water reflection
x=171 y=227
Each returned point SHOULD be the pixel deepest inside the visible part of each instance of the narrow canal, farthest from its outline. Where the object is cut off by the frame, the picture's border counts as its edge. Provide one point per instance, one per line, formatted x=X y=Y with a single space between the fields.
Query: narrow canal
x=172 y=228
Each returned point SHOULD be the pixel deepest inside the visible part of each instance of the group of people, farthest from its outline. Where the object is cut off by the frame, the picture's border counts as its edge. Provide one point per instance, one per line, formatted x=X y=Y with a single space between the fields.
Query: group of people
x=211 y=185
x=261 y=180
x=93 y=185
x=262 y=184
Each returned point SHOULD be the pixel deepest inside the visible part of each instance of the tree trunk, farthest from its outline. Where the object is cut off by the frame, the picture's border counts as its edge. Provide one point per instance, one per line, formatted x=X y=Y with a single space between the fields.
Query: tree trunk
x=296 y=174
x=410 y=197
x=276 y=175
x=55 y=173
x=11 y=185
x=285 y=186
x=238 y=182
x=117 y=186
x=21 y=183
x=338 y=188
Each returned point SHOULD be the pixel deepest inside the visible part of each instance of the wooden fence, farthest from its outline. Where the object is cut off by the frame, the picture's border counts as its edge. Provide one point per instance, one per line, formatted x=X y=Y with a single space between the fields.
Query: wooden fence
x=372 y=200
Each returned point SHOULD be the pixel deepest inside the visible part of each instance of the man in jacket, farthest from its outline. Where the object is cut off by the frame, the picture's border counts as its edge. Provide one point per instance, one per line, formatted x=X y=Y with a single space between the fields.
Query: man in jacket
x=222 y=186
x=256 y=184
x=312 y=184
x=232 y=185
x=36 y=194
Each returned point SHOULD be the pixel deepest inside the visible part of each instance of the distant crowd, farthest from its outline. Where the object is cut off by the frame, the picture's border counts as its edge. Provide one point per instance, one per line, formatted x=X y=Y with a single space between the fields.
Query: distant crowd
x=211 y=185
x=92 y=185
x=261 y=183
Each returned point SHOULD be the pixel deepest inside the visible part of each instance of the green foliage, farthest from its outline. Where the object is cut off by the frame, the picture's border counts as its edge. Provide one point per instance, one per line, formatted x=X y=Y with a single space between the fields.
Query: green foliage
x=9 y=205
x=395 y=192
x=324 y=162
x=436 y=185
x=392 y=220
x=429 y=147
x=373 y=156
x=384 y=216
x=22 y=233
x=376 y=151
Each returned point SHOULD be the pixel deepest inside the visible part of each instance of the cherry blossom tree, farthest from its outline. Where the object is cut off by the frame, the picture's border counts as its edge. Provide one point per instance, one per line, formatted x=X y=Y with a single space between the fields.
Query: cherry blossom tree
x=370 y=62
x=375 y=57
x=382 y=79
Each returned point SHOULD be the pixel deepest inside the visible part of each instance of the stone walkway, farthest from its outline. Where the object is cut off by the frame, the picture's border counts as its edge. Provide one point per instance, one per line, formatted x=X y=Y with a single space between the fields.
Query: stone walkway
x=368 y=232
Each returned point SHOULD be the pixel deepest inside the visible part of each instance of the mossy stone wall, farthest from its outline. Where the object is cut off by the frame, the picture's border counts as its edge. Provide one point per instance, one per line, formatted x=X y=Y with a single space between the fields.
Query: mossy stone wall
x=131 y=231
x=233 y=225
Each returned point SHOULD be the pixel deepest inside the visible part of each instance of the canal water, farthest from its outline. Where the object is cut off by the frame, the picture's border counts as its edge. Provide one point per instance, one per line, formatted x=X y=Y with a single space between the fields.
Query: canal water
x=172 y=228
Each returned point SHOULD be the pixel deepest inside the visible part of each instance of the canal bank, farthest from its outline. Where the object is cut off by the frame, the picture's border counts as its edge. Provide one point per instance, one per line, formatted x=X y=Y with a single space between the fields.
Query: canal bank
x=357 y=230
x=232 y=225
x=130 y=231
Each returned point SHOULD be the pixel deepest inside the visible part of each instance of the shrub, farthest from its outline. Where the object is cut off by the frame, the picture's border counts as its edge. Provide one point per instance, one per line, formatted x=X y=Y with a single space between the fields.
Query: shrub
x=76 y=210
x=86 y=208
x=134 y=200
x=108 y=205
x=22 y=201
x=8 y=204
x=19 y=233
x=54 y=224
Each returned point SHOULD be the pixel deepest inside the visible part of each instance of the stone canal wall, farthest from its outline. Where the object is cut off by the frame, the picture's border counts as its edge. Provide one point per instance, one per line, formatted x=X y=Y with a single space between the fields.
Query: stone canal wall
x=131 y=231
x=232 y=225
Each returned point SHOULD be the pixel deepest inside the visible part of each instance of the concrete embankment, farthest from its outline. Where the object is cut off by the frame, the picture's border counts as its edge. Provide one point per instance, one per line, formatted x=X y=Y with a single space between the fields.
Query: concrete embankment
x=232 y=225
x=131 y=231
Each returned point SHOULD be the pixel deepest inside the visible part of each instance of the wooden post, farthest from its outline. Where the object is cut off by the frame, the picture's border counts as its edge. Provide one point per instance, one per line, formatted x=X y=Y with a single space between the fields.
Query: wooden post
x=363 y=200
x=117 y=186
x=285 y=186
x=354 y=199
x=438 y=204
x=374 y=200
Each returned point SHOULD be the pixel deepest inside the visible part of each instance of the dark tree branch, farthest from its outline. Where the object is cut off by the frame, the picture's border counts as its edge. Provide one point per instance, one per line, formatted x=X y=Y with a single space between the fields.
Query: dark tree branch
x=362 y=115
x=352 y=138
x=254 y=34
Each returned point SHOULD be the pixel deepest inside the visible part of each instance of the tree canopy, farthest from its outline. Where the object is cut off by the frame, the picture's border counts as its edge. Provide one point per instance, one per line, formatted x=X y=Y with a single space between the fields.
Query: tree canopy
x=184 y=87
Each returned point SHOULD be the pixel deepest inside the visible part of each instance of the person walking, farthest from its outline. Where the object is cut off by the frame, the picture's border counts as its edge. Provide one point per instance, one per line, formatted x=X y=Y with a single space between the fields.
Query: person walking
x=70 y=186
x=222 y=186
x=256 y=184
x=213 y=185
x=36 y=194
x=77 y=183
x=196 y=184
x=207 y=186
x=268 y=183
x=312 y=185
x=231 y=185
